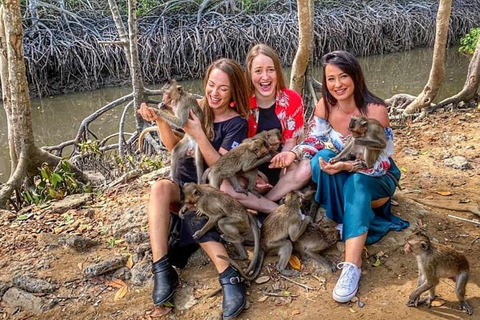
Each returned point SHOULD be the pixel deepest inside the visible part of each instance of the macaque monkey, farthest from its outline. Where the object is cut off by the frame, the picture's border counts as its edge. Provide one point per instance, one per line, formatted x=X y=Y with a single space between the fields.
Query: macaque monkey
x=316 y=238
x=284 y=225
x=273 y=138
x=223 y=210
x=239 y=160
x=367 y=142
x=434 y=262
x=181 y=102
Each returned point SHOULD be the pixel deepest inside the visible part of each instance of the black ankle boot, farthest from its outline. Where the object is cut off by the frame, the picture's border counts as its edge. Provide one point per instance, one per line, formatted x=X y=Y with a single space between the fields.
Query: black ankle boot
x=165 y=278
x=233 y=287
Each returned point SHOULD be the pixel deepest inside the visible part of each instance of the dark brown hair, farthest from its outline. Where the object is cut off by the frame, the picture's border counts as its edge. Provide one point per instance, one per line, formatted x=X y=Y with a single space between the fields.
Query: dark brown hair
x=348 y=64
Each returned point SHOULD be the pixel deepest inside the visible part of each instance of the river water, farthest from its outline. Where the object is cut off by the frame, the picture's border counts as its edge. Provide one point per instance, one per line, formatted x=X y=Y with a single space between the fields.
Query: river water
x=56 y=119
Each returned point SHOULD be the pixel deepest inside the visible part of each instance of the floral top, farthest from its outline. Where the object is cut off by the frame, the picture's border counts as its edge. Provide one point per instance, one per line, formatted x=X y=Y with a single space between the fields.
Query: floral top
x=289 y=110
x=321 y=135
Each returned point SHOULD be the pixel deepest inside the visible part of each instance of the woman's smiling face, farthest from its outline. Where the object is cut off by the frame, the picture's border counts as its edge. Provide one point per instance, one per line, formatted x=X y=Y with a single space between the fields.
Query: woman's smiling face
x=339 y=83
x=264 y=76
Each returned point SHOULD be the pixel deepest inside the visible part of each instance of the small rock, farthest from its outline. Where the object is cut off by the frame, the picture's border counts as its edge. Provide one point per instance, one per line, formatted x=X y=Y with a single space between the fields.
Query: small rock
x=105 y=266
x=123 y=274
x=18 y=298
x=3 y=288
x=80 y=243
x=184 y=299
x=134 y=236
x=457 y=162
x=141 y=271
x=34 y=285
x=410 y=151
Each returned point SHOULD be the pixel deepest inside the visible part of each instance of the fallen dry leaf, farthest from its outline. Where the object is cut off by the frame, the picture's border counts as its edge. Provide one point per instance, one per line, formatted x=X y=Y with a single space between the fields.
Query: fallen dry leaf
x=263 y=299
x=116 y=283
x=295 y=262
x=120 y=293
x=262 y=279
x=295 y=312
x=444 y=193
x=438 y=303
x=129 y=263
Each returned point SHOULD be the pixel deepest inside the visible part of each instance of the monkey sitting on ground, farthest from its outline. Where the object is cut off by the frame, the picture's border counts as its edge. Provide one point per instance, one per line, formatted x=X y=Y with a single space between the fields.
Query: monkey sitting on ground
x=240 y=160
x=366 y=143
x=436 y=261
x=284 y=225
x=223 y=210
x=181 y=102
x=316 y=238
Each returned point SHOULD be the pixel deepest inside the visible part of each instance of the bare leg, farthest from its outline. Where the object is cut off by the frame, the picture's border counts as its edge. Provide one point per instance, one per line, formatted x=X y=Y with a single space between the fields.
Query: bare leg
x=212 y=249
x=164 y=195
x=250 y=201
x=354 y=248
x=297 y=176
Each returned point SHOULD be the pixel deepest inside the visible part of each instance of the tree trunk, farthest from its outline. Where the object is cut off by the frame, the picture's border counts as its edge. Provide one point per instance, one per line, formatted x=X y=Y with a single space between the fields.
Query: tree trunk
x=471 y=83
x=25 y=156
x=305 y=42
x=437 y=73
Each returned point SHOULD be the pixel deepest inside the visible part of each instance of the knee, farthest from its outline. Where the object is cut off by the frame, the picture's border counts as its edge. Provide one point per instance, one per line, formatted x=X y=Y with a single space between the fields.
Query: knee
x=304 y=172
x=161 y=188
x=228 y=189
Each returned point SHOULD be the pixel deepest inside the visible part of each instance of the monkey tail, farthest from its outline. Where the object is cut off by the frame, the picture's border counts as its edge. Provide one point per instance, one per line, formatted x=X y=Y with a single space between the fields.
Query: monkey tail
x=141 y=137
x=205 y=175
x=256 y=241
x=255 y=273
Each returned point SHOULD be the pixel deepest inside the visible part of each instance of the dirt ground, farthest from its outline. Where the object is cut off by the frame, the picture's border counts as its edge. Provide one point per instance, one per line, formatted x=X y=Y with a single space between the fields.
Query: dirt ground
x=423 y=149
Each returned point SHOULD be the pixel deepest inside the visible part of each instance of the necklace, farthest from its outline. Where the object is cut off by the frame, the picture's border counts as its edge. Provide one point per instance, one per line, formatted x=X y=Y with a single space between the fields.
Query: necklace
x=345 y=113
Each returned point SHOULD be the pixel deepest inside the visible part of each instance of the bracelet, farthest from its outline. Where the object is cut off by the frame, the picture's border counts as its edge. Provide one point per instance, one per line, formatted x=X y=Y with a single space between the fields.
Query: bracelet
x=351 y=169
x=296 y=155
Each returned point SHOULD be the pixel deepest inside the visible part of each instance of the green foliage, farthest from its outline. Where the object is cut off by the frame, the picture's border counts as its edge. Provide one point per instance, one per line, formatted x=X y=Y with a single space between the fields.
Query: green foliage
x=145 y=6
x=91 y=147
x=53 y=184
x=145 y=163
x=469 y=41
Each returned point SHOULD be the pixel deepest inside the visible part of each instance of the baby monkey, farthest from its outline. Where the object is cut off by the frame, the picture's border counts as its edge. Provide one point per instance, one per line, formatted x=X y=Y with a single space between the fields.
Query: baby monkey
x=434 y=262
x=366 y=143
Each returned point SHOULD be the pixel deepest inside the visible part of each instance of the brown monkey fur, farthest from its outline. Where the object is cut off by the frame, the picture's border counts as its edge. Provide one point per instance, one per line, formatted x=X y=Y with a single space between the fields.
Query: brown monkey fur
x=223 y=210
x=273 y=138
x=434 y=262
x=282 y=226
x=240 y=160
x=181 y=102
x=367 y=142
x=316 y=238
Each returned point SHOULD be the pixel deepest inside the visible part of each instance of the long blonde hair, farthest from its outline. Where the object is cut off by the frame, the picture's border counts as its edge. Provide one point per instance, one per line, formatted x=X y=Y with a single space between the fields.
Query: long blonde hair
x=238 y=87
x=268 y=51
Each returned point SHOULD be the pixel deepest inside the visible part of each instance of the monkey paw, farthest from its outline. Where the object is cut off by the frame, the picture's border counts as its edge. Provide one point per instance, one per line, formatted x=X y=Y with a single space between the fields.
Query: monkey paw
x=359 y=164
x=465 y=306
x=412 y=302
x=197 y=235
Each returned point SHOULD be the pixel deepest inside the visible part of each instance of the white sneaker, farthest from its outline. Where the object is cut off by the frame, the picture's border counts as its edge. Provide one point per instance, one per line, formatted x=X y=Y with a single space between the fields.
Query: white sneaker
x=347 y=284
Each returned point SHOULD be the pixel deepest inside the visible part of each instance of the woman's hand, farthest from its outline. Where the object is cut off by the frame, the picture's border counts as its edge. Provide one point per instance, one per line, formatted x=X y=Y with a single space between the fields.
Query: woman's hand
x=193 y=126
x=332 y=168
x=282 y=160
x=148 y=113
x=262 y=185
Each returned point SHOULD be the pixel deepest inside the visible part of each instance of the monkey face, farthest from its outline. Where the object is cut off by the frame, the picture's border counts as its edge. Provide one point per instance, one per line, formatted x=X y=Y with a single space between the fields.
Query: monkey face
x=192 y=194
x=358 y=126
x=417 y=243
x=274 y=138
x=259 y=147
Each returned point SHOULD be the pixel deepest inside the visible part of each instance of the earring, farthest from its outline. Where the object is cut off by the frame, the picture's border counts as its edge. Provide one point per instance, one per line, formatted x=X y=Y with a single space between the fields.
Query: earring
x=232 y=104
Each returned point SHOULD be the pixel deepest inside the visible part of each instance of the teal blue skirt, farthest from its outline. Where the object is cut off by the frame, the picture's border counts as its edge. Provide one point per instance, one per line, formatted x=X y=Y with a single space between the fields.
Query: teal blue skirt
x=347 y=196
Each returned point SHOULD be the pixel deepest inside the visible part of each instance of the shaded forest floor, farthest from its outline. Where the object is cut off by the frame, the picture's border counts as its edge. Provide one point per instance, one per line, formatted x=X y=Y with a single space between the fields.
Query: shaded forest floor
x=35 y=243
